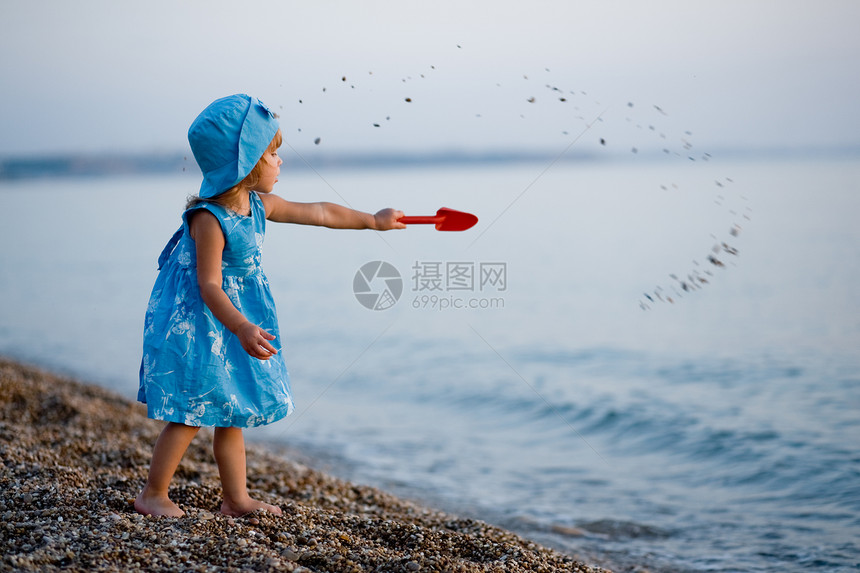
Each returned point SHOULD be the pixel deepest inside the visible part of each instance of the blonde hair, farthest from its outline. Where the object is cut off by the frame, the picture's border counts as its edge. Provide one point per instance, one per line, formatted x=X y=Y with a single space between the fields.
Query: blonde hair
x=248 y=182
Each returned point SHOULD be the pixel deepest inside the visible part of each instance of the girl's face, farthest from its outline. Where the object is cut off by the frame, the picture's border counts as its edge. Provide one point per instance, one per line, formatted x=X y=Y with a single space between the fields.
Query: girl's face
x=271 y=168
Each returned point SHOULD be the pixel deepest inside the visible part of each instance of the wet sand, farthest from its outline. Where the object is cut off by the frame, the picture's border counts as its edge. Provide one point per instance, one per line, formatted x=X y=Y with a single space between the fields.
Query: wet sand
x=73 y=456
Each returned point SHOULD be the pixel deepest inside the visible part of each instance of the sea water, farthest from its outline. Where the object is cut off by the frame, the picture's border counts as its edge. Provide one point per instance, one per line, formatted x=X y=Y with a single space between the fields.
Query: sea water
x=639 y=363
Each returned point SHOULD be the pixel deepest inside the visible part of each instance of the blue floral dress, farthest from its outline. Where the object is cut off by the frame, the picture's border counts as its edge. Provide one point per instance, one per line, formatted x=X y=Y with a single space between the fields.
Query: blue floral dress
x=194 y=370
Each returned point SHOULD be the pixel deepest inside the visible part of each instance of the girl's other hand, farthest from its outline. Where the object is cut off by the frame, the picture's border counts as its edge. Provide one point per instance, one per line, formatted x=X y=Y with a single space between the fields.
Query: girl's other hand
x=387 y=219
x=255 y=341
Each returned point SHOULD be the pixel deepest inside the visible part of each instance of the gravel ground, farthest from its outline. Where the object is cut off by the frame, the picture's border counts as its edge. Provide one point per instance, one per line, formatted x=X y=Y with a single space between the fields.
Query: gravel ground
x=73 y=456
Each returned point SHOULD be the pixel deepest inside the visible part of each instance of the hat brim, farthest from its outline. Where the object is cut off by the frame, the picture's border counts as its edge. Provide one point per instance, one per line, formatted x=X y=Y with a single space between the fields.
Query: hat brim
x=221 y=180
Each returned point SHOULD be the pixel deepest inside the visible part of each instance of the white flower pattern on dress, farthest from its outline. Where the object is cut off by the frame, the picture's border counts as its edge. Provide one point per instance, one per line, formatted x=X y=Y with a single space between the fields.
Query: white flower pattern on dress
x=217 y=342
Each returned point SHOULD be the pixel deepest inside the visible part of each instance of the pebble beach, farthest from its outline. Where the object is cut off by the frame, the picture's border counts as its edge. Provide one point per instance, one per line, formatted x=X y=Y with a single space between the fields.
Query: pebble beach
x=73 y=456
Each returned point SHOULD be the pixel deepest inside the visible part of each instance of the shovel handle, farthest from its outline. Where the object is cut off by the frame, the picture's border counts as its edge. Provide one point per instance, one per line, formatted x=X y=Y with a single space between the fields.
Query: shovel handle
x=420 y=220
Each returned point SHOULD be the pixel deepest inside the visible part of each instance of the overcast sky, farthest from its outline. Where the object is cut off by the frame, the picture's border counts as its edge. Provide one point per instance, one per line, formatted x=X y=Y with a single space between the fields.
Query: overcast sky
x=117 y=76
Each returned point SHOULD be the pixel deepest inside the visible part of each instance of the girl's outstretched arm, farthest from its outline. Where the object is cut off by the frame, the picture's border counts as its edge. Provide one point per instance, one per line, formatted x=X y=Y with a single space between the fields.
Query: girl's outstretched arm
x=207 y=234
x=329 y=215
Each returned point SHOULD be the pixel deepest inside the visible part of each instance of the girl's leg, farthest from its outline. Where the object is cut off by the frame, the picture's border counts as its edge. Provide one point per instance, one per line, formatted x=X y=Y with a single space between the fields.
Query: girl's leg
x=229 y=447
x=168 y=452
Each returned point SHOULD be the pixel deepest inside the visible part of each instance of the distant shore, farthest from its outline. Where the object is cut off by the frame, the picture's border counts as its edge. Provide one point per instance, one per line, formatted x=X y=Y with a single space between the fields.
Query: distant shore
x=23 y=167
x=75 y=455
x=91 y=165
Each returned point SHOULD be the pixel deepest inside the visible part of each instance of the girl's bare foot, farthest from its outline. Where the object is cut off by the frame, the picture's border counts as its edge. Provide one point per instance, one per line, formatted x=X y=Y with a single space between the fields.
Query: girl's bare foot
x=156 y=505
x=238 y=509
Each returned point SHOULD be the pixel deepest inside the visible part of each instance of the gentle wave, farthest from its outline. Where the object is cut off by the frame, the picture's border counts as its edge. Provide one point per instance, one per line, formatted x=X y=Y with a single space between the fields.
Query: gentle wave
x=737 y=448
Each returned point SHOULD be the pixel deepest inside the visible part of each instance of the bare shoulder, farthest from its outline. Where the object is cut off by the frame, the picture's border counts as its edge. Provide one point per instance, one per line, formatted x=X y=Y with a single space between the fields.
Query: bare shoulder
x=272 y=203
x=204 y=225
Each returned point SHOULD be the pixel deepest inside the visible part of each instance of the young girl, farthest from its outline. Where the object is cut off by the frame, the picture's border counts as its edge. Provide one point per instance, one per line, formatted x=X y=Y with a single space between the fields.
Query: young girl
x=211 y=341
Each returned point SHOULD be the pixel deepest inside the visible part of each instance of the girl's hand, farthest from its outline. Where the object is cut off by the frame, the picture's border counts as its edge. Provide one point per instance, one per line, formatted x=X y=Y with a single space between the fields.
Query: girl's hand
x=255 y=341
x=387 y=219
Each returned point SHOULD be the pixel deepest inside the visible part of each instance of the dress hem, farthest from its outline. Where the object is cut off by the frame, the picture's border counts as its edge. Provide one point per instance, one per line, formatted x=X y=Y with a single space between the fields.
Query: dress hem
x=255 y=421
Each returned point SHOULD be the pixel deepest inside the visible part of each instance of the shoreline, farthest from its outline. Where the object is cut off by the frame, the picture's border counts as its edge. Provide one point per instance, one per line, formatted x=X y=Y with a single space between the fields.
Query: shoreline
x=75 y=455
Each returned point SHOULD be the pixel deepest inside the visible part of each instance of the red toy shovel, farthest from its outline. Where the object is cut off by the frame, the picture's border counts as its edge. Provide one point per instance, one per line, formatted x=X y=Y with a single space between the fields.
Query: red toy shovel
x=445 y=220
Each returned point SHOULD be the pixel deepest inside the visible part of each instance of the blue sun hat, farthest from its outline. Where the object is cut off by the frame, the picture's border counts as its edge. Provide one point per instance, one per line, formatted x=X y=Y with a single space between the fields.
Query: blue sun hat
x=228 y=138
